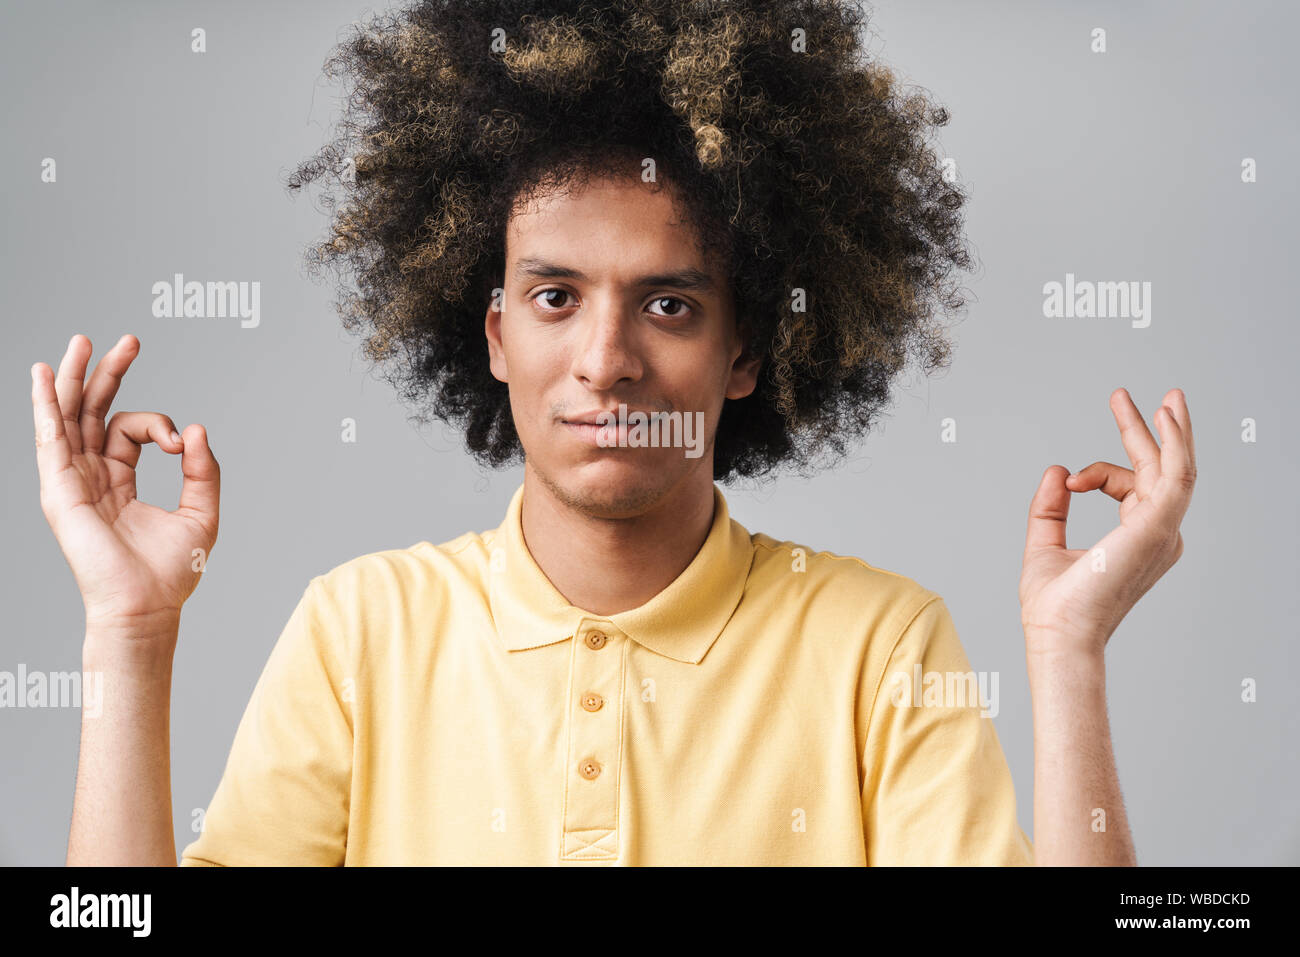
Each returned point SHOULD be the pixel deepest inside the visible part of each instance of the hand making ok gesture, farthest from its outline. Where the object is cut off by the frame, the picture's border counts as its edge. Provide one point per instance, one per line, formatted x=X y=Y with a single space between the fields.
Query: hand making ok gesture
x=134 y=562
x=1072 y=599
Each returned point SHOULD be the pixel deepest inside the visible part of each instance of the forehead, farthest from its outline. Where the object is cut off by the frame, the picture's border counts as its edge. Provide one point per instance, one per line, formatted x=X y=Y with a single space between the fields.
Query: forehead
x=606 y=222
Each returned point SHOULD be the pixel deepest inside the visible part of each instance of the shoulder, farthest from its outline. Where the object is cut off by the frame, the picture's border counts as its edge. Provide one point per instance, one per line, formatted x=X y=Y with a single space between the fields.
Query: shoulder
x=840 y=586
x=855 y=619
x=455 y=563
x=385 y=594
x=416 y=566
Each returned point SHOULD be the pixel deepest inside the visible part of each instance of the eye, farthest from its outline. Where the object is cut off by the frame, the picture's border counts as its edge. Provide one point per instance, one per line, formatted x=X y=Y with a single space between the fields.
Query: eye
x=550 y=304
x=682 y=307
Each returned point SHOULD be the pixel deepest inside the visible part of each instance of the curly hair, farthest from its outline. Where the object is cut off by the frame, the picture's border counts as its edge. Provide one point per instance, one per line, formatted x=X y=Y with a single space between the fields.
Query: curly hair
x=800 y=162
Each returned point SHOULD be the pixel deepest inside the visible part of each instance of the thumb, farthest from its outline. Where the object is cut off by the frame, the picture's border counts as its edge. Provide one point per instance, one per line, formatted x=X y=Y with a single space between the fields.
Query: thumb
x=201 y=491
x=1048 y=511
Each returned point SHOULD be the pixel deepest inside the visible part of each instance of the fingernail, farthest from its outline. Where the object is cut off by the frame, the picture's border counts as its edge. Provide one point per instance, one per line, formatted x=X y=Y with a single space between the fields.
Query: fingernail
x=176 y=437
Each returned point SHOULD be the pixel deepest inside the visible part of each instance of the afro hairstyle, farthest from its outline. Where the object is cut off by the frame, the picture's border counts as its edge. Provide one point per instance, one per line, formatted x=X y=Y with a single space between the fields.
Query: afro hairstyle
x=800 y=161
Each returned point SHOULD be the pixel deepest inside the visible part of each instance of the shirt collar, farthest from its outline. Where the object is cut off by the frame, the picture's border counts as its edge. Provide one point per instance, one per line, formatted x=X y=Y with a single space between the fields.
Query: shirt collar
x=681 y=622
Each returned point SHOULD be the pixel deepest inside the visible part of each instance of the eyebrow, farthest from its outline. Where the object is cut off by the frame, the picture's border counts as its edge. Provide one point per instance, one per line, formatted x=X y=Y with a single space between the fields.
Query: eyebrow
x=688 y=278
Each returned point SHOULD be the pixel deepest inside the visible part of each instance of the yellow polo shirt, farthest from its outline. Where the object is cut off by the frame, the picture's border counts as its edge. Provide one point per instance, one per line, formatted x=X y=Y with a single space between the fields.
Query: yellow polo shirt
x=444 y=704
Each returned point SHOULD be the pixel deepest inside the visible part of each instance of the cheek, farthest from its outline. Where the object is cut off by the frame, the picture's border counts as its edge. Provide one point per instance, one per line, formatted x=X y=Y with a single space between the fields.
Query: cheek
x=532 y=377
x=699 y=386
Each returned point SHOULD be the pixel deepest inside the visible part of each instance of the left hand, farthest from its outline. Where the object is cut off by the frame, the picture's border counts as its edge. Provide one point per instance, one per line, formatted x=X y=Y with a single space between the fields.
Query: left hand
x=1073 y=599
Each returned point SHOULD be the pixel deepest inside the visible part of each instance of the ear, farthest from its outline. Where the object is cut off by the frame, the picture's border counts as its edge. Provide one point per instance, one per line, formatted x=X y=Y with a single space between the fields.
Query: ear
x=743 y=378
x=492 y=328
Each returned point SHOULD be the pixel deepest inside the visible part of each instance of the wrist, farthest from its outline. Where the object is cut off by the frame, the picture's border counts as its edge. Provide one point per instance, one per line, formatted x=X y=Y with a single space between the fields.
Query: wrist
x=128 y=641
x=1075 y=667
x=1050 y=644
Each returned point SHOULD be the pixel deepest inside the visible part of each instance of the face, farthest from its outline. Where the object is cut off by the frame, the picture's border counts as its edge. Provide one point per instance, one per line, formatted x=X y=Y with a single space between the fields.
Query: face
x=608 y=301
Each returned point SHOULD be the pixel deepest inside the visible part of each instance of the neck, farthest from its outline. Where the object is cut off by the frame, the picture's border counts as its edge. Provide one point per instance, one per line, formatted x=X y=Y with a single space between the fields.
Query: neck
x=608 y=565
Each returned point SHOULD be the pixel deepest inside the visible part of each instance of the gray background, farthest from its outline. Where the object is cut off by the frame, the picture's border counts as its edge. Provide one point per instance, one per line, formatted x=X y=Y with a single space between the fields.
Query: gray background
x=1118 y=166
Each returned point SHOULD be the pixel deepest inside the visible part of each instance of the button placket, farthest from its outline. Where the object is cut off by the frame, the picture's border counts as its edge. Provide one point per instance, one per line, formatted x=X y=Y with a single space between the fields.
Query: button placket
x=594 y=717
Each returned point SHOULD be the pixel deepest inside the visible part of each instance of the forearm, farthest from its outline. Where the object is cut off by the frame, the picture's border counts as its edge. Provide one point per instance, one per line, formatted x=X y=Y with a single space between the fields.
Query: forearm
x=1079 y=814
x=122 y=811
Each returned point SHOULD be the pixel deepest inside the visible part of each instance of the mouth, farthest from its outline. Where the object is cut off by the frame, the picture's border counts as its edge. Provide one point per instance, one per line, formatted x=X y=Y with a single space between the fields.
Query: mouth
x=603 y=436
x=598 y=416
x=605 y=428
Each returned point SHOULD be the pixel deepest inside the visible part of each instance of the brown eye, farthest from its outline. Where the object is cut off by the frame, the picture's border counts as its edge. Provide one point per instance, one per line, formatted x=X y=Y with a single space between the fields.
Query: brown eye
x=672 y=313
x=551 y=303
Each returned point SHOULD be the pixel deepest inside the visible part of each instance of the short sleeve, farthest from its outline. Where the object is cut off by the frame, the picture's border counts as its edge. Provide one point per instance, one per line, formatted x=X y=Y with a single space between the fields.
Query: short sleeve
x=936 y=786
x=283 y=798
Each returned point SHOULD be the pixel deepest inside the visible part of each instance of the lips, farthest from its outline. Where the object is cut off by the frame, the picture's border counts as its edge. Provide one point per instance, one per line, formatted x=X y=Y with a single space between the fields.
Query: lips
x=597 y=417
x=609 y=436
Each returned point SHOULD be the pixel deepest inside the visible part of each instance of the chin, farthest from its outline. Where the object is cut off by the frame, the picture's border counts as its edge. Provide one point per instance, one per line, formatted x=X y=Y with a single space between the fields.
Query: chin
x=614 y=486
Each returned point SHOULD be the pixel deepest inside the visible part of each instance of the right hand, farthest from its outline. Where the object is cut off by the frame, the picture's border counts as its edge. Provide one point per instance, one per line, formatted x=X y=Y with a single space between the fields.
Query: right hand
x=135 y=564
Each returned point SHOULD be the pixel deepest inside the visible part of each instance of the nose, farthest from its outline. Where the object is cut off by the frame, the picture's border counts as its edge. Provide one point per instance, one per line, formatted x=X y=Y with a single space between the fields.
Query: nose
x=605 y=353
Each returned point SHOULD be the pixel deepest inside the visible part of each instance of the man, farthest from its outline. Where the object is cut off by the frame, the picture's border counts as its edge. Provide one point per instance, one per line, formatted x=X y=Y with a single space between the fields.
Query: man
x=620 y=673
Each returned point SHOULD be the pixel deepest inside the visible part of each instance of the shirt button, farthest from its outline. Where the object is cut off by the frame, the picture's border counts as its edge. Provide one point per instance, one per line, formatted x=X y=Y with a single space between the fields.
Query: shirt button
x=589 y=769
x=596 y=640
x=592 y=701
